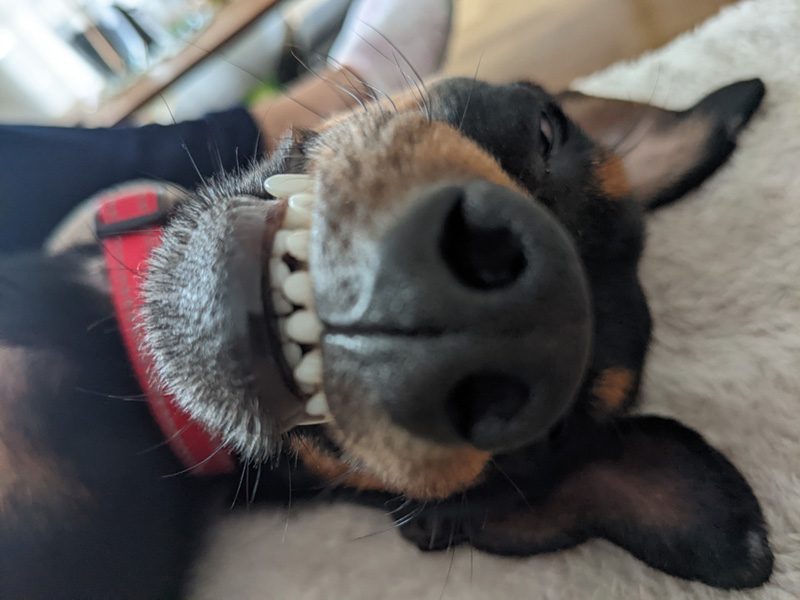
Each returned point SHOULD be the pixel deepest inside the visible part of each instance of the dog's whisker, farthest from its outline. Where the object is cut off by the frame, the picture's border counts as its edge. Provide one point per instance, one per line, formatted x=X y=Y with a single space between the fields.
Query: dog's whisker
x=339 y=480
x=99 y=322
x=262 y=134
x=223 y=56
x=452 y=550
x=247 y=485
x=408 y=79
x=642 y=137
x=616 y=146
x=331 y=83
x=393 y=499
x=394 y=525
x=511 y=481
x=465 y=508
x=164 y=442
x=288 y=508
x=241 y=481
x=471 y=549
x=197 y=466
x=220 y=162
x=178 y=190
x=120 y=264
x=655 y=84
x=423 y=105
x=405 y=520
x=410 y=516
x=471 y=90
x=373 y=91
x=349 y=75
x=184 y=146
x=327 y=485
x=419 y=81
x=125 y=398
x=401 y=507
x=255 y=484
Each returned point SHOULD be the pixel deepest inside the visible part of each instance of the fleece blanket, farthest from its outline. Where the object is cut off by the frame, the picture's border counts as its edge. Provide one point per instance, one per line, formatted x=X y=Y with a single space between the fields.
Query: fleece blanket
x=722 y=271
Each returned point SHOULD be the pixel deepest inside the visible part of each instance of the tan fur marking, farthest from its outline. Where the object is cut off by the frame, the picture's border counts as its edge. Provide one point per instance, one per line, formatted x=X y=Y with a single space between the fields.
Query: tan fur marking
x=330 y=469
x=442 y=473
x=393 y=159
x=611 y=175
x=612 y=388
x=30 y=478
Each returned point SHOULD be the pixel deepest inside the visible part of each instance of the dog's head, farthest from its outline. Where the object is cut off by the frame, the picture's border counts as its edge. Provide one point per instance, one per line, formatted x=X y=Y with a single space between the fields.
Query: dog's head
x=441 y=283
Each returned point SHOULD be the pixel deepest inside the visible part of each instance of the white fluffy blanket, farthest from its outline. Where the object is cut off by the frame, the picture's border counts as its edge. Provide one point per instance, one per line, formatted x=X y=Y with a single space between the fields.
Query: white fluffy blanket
x=723 y=275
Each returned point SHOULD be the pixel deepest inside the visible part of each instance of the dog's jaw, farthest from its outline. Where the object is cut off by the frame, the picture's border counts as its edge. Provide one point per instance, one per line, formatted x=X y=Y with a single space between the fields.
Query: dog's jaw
x=211 y=326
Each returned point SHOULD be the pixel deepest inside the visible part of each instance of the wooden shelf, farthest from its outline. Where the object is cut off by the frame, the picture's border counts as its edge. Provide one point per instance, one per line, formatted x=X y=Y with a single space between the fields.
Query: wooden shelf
x=226 y=25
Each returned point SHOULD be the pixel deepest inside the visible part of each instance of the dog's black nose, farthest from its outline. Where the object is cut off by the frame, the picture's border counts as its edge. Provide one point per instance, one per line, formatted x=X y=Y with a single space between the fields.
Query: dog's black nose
x=482 y=407
x=476 y=324
x=481 y=256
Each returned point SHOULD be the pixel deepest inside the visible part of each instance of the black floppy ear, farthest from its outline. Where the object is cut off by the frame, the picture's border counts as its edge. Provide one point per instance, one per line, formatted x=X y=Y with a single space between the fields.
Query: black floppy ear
x=658 y=490
x=667 y=153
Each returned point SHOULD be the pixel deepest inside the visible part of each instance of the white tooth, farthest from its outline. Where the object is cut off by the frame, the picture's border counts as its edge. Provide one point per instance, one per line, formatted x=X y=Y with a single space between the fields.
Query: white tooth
x=304 y=327
x=297 y=217
x=305 y=201
x=317 y=406
x=316 y=420
x=317 y=410
x=281 y=305
x=282 y=327
x=279 y=244
x=310 y=368
x=292 y=353
x=307 y=388
x=286 y=185
x=297 y=288
x=297 y=244
x=278 y=273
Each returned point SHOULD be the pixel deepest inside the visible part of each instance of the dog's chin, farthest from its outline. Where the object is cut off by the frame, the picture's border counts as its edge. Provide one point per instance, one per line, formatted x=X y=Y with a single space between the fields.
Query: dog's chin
x=216 y=329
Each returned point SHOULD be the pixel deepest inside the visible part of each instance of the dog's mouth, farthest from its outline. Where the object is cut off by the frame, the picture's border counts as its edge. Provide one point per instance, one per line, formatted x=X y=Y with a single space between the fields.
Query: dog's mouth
x=288 y=295
x=229 y=316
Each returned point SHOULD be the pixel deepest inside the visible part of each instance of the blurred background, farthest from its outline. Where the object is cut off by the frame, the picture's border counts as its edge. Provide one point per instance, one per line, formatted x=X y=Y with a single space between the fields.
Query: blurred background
x=103 y=62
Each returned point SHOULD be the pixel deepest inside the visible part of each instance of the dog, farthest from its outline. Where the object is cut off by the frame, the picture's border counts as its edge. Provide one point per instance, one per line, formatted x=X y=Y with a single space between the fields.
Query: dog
x=432 y=301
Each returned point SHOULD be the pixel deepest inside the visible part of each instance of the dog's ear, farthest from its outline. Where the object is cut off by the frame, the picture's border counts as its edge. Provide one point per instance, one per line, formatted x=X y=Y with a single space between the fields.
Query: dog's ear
x=657 y=489
x=666 y=153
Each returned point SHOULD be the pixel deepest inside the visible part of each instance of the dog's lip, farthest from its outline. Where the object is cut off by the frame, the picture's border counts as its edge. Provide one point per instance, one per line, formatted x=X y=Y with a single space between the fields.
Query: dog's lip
x=259 y=347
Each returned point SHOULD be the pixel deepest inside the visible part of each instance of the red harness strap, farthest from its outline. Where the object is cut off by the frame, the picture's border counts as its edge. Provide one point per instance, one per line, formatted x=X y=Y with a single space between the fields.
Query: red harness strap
x=129 y=221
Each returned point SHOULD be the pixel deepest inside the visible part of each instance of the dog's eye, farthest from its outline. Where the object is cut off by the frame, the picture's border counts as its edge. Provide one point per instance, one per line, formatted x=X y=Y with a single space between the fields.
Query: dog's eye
x=545 y=135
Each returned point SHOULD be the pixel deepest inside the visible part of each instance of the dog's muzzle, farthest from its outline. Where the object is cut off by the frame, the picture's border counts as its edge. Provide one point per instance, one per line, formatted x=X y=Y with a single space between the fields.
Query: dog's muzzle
x=470 y=320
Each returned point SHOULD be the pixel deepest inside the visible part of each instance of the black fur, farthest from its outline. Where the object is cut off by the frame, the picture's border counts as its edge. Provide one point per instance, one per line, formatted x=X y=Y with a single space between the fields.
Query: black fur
x=138 y=527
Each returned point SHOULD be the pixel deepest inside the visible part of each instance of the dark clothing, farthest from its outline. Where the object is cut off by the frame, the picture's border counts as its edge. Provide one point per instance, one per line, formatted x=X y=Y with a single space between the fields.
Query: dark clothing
x=46 y=171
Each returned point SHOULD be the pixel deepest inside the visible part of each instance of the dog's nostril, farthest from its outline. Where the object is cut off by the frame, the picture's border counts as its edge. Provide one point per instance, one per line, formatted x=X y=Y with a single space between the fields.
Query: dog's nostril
x=481 y=257
x=482 y=406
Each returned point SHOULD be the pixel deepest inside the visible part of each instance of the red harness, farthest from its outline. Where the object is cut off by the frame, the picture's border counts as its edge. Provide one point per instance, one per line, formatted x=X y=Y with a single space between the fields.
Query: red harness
x=129 y=221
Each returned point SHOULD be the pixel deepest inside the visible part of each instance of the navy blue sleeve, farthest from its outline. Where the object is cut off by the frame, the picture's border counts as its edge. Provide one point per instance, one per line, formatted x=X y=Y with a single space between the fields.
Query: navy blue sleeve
x=47 y=171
